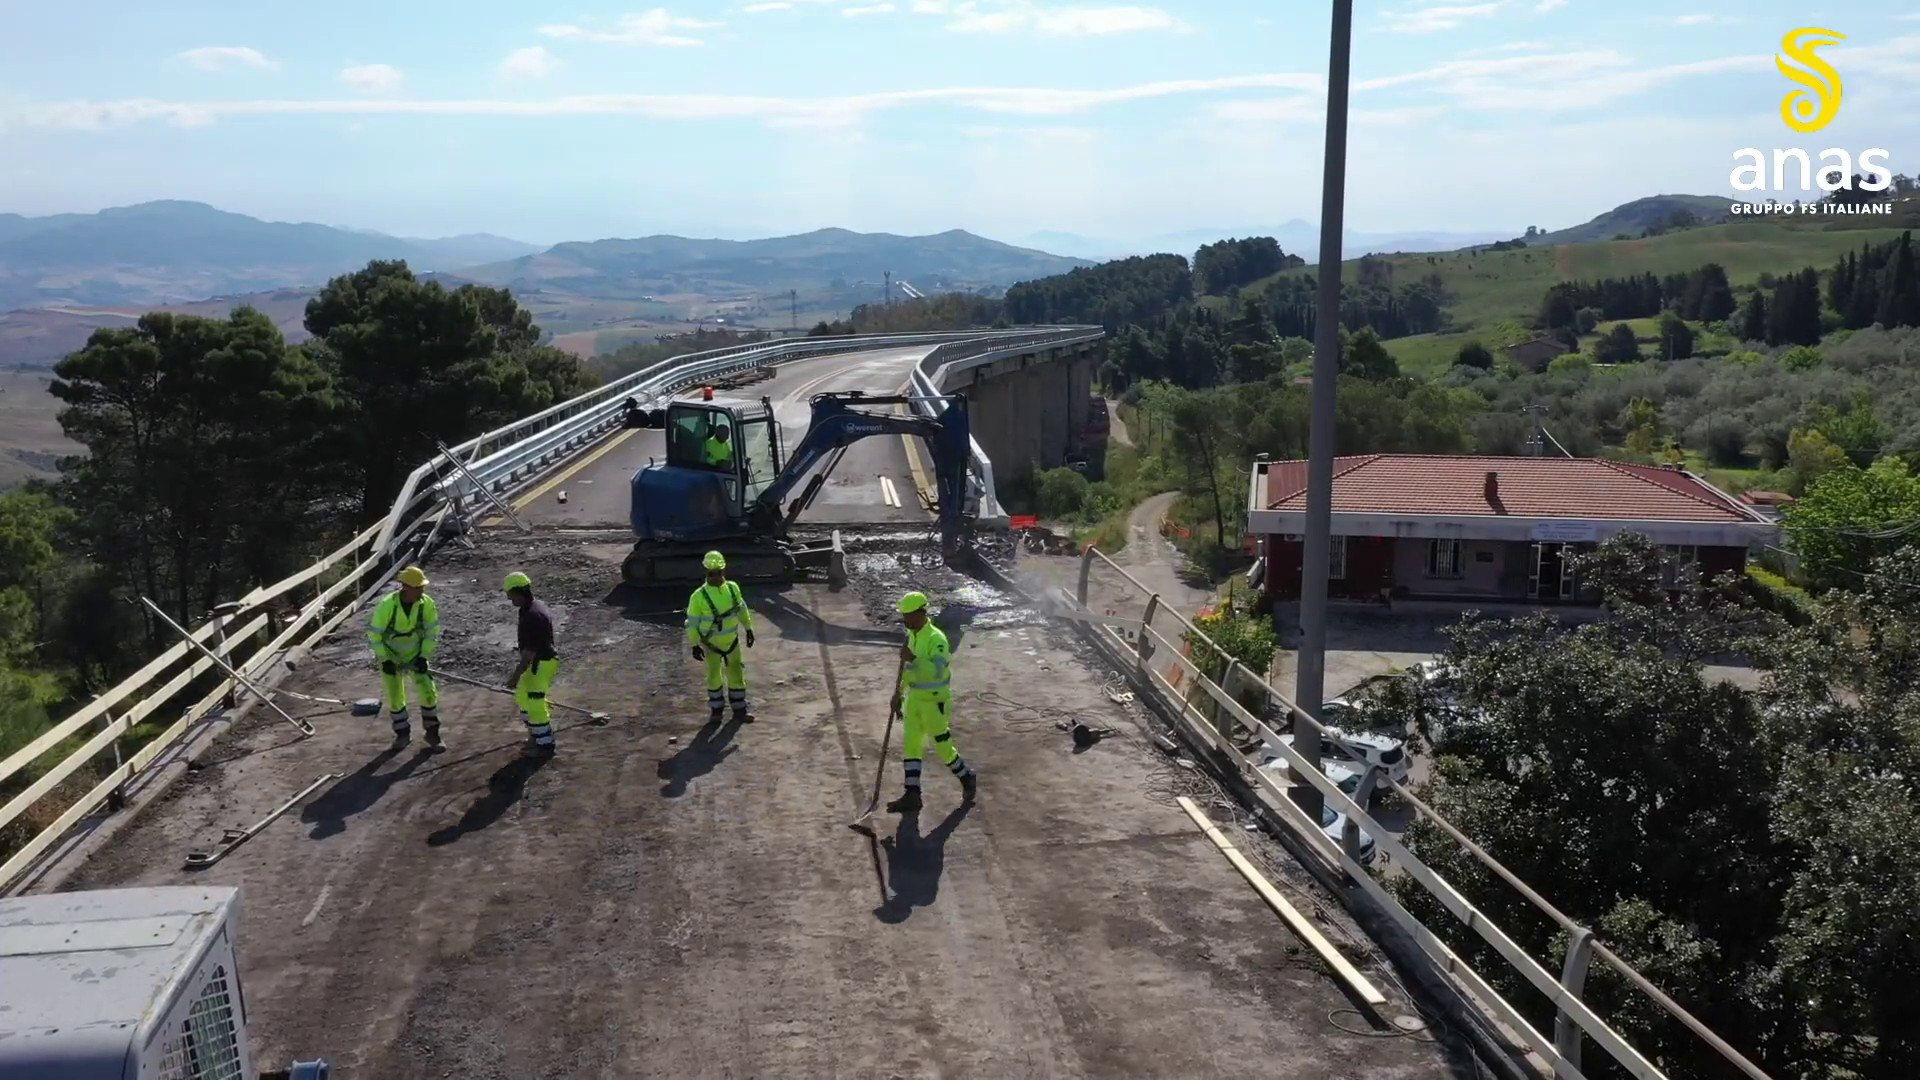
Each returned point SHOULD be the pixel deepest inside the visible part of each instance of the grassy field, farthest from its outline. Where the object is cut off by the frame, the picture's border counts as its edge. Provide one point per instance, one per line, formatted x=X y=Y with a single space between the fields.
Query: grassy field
x=32 y=441
x=1426 y=355
x=1489 y=286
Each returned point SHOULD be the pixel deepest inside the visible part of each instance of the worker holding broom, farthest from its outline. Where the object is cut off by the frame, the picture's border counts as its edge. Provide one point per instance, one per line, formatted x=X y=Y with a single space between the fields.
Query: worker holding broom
x=539 y=663
x=926 y=681
x=404 y=631
x=717 y=618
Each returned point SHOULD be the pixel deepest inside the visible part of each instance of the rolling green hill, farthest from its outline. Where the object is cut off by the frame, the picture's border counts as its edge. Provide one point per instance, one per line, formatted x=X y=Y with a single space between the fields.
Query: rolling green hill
x=1638 y=216
x=1485 y=287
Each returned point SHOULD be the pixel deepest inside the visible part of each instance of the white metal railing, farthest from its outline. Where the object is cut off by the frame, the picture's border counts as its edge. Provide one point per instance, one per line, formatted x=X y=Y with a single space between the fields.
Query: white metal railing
x=277 y=621
x=1162 y=661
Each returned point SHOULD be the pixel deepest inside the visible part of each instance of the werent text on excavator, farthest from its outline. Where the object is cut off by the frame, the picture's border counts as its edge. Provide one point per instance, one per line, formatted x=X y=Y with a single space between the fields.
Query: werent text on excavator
x=724 y=484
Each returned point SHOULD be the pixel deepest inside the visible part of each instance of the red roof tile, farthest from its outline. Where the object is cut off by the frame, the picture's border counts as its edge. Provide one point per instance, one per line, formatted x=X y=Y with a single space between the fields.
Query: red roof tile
x=1543 y=487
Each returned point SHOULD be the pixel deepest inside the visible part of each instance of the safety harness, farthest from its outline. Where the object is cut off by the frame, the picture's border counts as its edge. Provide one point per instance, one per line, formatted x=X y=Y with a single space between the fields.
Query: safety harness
x=717 y=618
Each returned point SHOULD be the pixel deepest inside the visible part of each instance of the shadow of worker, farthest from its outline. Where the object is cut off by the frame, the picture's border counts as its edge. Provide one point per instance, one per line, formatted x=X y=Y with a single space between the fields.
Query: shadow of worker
x=356 y=793
x=708 y=748
x=914 y=863
x=504 y=788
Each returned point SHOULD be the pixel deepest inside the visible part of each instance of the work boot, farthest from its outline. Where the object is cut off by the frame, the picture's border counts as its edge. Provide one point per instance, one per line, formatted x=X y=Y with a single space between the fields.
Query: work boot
x=401 y=737
x=715 y=716
x=534 y=749
x=741 y=716
x=969 y=786
x=433 y=739
x=908 y=803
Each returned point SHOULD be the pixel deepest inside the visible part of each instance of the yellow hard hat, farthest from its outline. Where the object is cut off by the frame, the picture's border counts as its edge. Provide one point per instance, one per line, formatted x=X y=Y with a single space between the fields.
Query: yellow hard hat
x=412 y=576
x=518 y=580
x=913 y=601
x=714 y=561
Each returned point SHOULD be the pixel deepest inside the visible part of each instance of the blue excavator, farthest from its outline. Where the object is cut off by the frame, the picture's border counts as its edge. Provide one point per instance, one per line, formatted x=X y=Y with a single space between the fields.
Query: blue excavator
x=724 y=484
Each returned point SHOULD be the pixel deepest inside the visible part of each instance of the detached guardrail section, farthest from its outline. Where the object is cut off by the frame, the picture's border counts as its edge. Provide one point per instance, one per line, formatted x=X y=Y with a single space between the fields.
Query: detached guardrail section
x=252 y=633
x=1158 y=659
x=935 y=372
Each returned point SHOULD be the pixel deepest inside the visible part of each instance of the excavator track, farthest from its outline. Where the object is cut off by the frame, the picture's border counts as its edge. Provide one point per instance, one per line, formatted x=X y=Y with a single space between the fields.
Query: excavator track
x=654 y=563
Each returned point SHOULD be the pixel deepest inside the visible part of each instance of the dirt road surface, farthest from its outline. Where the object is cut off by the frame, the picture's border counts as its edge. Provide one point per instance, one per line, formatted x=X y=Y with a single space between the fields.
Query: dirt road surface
x=666 y=900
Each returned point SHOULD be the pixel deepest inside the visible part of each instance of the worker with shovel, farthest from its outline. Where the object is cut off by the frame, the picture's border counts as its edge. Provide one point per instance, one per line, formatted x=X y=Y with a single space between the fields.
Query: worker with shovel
x=404 y=632
x=927 y=709
x=717 y=616
x=539 y=663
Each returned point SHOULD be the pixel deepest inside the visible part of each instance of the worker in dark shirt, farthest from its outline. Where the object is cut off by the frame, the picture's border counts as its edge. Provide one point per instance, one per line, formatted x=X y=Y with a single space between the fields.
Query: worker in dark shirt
x=538 y=664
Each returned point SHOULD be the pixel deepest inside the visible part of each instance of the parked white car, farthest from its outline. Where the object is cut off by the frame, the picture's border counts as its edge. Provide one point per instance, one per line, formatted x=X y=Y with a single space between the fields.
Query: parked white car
x=1347 y=737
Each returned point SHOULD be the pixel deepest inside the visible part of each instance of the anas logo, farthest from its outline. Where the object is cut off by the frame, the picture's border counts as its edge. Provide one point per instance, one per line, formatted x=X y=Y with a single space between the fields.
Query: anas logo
x=1813 y=108
x=1807 y=109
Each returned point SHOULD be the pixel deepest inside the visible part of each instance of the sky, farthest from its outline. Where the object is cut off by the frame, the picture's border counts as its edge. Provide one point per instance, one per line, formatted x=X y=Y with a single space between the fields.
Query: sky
x=1008 y=118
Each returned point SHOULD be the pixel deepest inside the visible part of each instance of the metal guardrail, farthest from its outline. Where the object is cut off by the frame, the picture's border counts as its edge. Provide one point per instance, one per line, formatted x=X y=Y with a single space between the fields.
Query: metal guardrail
x=1160 y=661
x=502 y=457
x=271 y=623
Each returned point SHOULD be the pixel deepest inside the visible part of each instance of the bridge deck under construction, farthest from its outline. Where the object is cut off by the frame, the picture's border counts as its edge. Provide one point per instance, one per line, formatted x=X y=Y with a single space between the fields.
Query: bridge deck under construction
x=658 y=902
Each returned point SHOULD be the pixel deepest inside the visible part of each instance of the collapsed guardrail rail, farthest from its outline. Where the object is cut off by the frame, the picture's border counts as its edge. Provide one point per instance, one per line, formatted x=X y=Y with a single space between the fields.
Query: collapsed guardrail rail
x=1159 y=661
x=248 y=636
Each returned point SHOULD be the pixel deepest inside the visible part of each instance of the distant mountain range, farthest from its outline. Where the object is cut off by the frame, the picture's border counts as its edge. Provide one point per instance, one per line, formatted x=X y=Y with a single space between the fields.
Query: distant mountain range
x=172 y=252
x=178 y=252
x=835 y=259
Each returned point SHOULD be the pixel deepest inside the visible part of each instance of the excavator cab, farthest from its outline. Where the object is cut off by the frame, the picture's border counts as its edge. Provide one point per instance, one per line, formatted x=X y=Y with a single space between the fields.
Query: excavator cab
x=738 y=446
x=719 y=460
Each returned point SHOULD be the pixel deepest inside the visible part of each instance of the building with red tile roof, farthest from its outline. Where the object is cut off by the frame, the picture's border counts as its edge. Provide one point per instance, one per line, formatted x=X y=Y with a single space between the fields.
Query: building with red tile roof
x=1490 y=528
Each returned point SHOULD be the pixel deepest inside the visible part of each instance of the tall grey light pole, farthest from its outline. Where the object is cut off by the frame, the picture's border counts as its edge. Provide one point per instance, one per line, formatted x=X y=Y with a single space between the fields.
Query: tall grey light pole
x=1311 y=671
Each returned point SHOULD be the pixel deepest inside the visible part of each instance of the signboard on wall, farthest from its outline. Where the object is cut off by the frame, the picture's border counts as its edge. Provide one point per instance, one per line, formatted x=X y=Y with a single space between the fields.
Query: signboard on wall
x=1565 y=532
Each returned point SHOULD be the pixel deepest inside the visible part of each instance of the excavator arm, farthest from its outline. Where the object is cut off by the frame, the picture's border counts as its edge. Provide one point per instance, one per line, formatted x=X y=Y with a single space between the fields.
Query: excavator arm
x=837 y=424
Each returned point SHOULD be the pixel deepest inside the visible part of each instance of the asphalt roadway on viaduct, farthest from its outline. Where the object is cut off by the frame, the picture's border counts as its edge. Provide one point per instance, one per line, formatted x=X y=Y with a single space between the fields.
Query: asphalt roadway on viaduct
x=663 y=901
x=597 y=483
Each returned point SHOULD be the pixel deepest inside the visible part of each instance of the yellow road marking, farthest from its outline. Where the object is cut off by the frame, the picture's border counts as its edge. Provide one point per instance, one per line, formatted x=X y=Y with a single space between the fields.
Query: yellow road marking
x=565 y=474
x=920 y=479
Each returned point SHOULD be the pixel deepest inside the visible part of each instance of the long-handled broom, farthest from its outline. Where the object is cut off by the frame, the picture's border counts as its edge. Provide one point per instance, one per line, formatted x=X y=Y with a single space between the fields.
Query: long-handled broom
x=880 y=770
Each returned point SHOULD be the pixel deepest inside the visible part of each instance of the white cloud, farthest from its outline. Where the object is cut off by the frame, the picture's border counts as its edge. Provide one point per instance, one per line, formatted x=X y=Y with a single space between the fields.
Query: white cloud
x=1510 y=47
x=970 y=17
x=784 y=112
x=532 y=62
x=1053 y=135
x=1705 y=20
x=655 y=27
x=1556 y=81
x=372 y=78
x=868 y=9
x=1431 y=19
x=776 y=5
x=1545 y=6
x=222 y=57
x=929 y=7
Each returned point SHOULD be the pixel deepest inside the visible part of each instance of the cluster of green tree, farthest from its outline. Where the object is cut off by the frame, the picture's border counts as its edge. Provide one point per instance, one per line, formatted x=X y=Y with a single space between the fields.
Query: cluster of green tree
x=1141 y=290
x=1877 y=284
x=636 y=355
x=219 y=458
x=1752 y=853
x=1700 y=295
x=1228 y=264
x=941 y=311
x=1199 y=346
x=1792 y=317
x=1375 y=303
